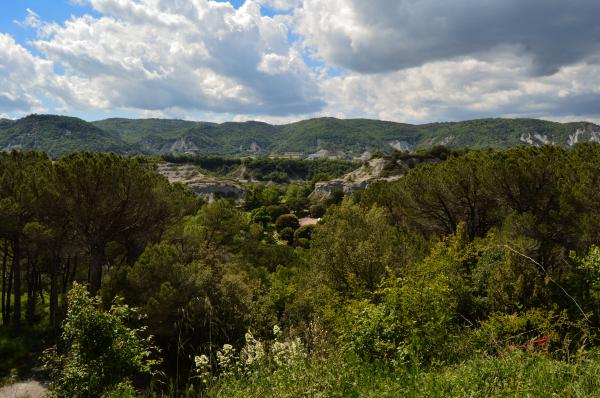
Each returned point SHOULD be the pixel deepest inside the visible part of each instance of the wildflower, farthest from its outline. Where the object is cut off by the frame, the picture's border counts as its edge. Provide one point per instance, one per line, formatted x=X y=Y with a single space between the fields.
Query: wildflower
x=542 y=341
x=201 y=361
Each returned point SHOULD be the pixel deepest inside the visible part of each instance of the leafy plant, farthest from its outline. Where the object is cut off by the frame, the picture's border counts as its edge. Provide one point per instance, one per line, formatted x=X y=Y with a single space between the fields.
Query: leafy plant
x=101 y=351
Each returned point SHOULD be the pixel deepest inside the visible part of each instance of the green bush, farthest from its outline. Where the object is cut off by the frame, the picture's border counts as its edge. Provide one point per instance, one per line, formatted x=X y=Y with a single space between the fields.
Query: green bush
x=304 y=232
x=287 y=234
x=412 y=325
x=102 y=354
x=275 y=211
x=287 y=221
x=546 y=331
x=317 y=211
x=261 y=216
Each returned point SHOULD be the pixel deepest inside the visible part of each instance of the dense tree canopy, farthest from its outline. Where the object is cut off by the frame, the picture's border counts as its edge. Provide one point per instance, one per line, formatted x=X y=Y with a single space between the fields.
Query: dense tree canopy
x=479 y=253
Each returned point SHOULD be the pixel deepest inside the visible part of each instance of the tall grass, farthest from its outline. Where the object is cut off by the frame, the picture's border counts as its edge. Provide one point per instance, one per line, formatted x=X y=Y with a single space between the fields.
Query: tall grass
x=514 y=375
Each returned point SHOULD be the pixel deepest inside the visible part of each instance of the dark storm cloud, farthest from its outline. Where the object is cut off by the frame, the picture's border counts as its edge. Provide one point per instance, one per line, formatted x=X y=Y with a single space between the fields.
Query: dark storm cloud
x=384 y=35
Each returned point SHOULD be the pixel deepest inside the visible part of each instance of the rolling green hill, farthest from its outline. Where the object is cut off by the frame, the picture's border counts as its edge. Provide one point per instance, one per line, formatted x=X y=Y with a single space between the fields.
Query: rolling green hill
x=348 y=137
x=135 y=130
x=57 y=135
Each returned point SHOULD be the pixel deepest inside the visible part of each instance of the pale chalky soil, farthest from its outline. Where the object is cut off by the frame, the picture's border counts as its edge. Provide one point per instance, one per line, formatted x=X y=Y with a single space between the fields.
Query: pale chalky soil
x=28 y=389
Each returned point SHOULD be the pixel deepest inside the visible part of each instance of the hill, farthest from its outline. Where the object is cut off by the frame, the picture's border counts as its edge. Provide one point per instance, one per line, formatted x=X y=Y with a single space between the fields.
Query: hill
x=321 y=137
x=350 y=136
x=57 y=135
x=135 y=130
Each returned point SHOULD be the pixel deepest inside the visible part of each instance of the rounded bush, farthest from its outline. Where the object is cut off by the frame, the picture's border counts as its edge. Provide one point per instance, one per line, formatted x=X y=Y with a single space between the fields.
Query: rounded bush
x=287 y=221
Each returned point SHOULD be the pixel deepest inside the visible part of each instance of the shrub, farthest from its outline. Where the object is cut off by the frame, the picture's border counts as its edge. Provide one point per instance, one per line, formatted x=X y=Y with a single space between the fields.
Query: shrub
x=287 y=221
x=536 y=330
x=287 y=234
x=304 y=232
x=103 y=353
x=317 y=211
x=277 y=210
x=261 y=216
x=413 y=324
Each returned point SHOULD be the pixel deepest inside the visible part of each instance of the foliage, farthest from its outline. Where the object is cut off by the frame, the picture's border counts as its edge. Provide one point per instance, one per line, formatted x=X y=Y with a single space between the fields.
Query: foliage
x=516 y=374
x=287 y=235
x=102 y=351
x=317 y=210
x=413 y=320
x=287 y=221
x=485 y=263
x=60 y=135
x=304 y=232
x=353 y=249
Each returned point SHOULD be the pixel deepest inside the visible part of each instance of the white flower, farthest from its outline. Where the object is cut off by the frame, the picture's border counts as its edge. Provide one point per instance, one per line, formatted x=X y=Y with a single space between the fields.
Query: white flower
x=201 y=361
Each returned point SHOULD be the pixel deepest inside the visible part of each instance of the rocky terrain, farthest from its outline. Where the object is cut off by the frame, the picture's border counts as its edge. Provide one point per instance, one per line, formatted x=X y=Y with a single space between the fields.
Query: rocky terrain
x=356 y=180
x=203 y=185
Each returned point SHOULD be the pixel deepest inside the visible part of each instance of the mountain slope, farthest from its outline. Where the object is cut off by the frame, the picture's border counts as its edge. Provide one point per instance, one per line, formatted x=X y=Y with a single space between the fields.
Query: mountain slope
x=135 y=130
x=504 y=133
x=349 y=137
x=57 y=135
x=345 y=135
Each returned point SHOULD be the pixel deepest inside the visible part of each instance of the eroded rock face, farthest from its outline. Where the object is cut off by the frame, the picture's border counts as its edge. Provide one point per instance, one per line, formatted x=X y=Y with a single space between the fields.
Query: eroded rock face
x=215 y=190
x=402 y=146
x=356 y=180
x=536 y=139
x=320 y=154
x=583 y=135
x=183 y=145
x=202 y=185
x=324 y=189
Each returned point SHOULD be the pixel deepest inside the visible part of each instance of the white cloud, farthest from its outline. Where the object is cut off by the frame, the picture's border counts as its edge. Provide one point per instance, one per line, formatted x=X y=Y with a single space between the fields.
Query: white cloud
x=24 y=78
x=403 y=60
x=32 y=20
x=152 y=55
x=465 y=89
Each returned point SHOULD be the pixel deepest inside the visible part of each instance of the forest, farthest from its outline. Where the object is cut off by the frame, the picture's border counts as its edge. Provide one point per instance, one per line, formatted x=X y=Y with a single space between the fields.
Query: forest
x=345 y=138
x=475 y=275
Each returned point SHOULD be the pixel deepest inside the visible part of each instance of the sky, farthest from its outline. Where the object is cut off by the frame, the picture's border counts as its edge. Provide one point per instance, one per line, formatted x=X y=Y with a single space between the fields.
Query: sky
x=412 y=61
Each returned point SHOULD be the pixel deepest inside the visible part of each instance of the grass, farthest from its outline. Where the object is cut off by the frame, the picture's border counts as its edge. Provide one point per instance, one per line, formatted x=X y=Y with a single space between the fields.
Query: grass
x=19 y=352
x=515 y=375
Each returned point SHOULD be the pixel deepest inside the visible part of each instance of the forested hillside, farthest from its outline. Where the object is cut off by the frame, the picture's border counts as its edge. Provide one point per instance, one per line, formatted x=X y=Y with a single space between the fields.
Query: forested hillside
x=477 y=274
x=58 y=135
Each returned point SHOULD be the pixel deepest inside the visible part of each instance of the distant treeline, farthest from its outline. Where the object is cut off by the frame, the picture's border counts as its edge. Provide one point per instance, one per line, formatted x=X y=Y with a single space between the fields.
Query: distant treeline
x=279 y=170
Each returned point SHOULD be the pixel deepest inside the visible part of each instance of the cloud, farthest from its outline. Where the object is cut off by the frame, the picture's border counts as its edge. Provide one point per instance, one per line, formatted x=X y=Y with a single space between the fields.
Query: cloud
x=24 y=78
x=200 y=54
x=32 y=20
x=386 y=35
x=467 y=88
x=404 y=60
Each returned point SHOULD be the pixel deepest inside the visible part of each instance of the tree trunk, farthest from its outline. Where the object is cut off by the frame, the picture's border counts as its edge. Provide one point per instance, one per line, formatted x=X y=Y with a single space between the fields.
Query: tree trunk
x=8 y=295
x=5 y=290
x=32 y=293
x=16 y=270
x=96 y=264
x=53 y=299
